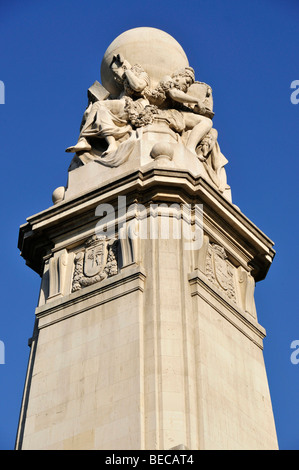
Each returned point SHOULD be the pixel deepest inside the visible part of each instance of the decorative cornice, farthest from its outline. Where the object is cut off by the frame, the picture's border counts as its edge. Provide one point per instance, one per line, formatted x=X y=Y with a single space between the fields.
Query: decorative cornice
x=35 y=239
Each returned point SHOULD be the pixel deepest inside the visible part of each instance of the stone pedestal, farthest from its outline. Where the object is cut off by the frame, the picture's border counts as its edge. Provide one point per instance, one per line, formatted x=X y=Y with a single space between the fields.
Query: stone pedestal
x=146 y=342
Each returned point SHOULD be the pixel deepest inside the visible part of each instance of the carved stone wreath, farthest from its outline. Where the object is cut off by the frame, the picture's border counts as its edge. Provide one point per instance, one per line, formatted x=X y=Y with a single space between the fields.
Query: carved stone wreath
x=96 y=262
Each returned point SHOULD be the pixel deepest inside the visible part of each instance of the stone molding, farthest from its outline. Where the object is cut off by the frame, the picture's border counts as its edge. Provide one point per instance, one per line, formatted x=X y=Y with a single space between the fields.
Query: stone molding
x=251 y=245
x=205 y=289
x=130 y=279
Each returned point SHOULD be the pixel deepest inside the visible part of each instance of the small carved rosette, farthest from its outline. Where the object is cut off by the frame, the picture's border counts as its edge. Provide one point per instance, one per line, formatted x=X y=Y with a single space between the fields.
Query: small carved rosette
x=96 y=262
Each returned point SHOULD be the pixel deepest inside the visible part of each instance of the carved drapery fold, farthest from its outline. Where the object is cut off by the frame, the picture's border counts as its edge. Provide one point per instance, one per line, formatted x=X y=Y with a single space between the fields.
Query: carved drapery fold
x=111 y=125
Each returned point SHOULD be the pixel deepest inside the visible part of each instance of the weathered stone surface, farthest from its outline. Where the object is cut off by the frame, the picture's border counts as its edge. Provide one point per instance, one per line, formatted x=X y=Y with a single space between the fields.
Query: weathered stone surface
x=146 y=333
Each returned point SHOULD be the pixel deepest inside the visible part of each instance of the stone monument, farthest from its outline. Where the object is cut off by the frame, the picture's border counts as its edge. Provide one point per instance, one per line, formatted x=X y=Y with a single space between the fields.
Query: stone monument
x=146 y=333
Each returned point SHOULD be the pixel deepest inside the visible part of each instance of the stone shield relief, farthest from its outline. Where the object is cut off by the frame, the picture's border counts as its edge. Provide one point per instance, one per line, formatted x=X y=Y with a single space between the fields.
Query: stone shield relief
x=219 y=271
x=94 y=263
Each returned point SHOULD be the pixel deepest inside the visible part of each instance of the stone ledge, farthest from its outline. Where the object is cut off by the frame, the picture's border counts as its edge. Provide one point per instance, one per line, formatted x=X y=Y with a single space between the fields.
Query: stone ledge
x=202 y=287
x=130 y=279
x=36 y=237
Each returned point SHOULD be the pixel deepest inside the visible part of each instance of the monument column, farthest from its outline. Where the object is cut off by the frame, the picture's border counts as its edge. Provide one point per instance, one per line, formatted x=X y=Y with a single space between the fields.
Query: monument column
x=146 y=333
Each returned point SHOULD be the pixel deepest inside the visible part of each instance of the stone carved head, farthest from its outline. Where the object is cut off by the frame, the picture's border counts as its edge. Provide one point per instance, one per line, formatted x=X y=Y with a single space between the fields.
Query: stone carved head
x=183 y=78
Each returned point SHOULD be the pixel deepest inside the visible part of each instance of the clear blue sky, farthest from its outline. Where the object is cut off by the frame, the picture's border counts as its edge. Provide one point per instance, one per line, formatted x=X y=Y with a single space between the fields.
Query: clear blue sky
x=248 y=52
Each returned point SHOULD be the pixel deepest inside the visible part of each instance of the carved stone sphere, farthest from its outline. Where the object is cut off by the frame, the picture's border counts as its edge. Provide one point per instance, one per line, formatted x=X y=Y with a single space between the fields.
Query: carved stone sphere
x=58 y=194
x=162 y=149
x=156 y=51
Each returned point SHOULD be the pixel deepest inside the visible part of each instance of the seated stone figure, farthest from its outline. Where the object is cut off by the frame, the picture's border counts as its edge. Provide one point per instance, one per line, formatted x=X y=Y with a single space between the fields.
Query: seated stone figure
x=109 y=119
x=139 y=105
x=181 y=110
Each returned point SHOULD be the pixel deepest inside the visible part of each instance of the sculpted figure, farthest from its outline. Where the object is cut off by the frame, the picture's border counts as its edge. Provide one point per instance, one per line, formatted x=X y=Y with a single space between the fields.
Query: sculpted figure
x=182 y=111
x=208 y=151
x=134 y=97
x=138 y=105
x=110 y=119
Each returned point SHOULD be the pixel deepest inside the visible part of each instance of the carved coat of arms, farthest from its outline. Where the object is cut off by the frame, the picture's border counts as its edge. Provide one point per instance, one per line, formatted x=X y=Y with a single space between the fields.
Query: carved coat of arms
x=95 y=258
x=219 y=271
x=97 y=261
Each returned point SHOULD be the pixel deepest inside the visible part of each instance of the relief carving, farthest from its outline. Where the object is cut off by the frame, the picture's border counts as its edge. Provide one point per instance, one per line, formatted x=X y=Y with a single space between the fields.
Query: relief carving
x=219 y=271
x=246 y=289
x=110 y=125
x=139 y=105
x=237 y=283
x=96 y=262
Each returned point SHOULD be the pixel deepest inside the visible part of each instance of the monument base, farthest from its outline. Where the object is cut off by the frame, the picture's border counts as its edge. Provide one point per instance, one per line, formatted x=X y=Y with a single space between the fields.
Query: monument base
x=162 y=346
